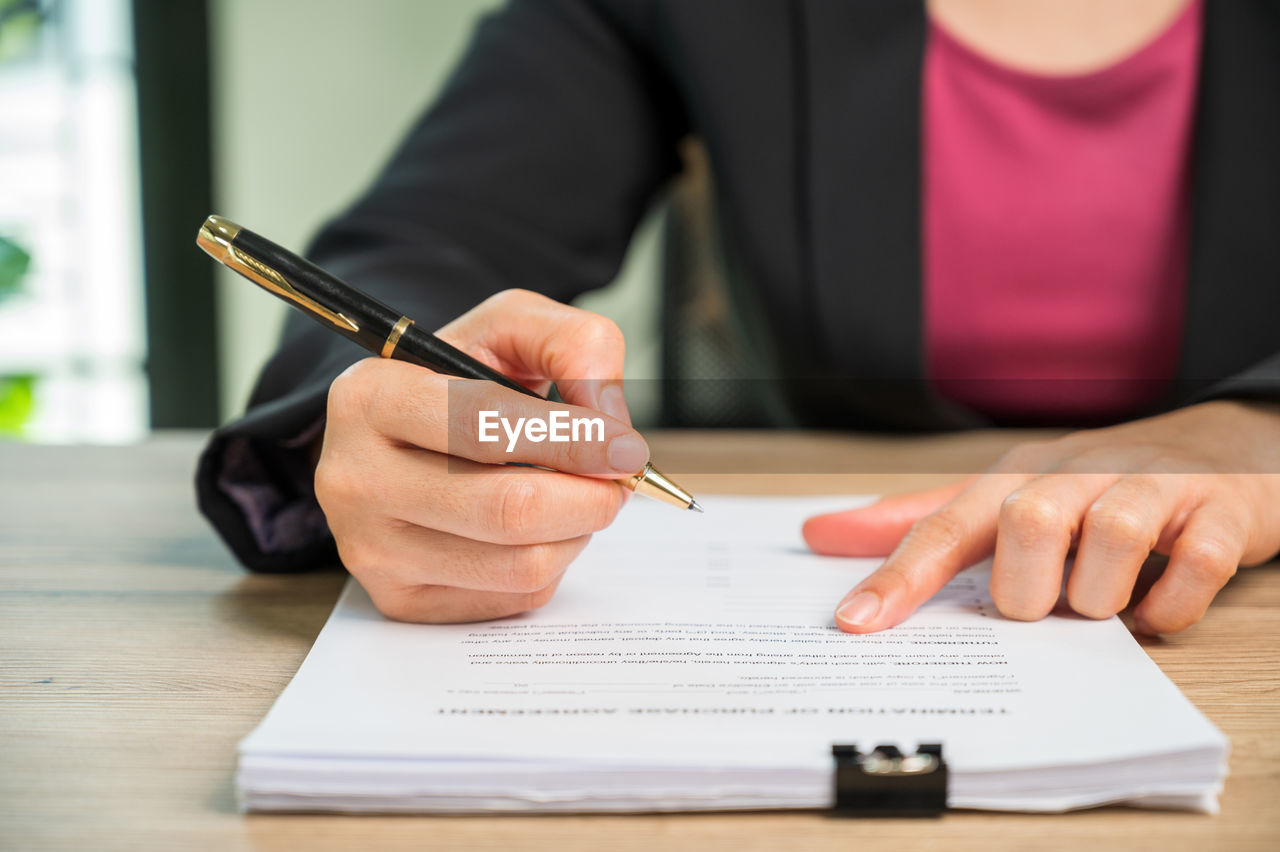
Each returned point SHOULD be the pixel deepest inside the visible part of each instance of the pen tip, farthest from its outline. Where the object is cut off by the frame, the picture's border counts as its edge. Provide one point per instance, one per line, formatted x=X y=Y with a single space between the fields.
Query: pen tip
x=693 y=505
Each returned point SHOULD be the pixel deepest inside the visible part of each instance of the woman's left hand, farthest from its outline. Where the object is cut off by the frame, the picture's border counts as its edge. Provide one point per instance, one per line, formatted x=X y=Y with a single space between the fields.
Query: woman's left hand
x=1200 y=485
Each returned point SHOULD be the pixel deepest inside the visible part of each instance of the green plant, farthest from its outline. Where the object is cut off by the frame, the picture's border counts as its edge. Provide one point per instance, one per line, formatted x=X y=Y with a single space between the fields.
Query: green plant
x=17 y=392
x=19 y=22
x=17 y=403
x=14 y=263
x=19 y=27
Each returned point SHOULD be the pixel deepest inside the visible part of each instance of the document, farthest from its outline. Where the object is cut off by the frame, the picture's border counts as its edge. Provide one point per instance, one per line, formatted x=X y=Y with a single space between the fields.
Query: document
x=691 y=662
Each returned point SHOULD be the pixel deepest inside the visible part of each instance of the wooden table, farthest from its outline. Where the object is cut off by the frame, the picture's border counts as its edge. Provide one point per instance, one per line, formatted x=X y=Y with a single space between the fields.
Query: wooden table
x=134 y=654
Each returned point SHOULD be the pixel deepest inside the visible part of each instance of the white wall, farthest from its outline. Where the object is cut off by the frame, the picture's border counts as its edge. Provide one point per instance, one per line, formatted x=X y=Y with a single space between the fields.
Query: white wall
x=310 y=98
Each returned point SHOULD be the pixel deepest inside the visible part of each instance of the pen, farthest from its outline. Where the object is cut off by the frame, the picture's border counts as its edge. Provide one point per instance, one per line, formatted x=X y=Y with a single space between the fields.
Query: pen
x=366 y=321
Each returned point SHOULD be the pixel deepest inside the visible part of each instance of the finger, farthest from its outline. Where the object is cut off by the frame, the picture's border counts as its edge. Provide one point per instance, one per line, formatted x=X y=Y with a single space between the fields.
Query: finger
x=404 y=555
x=1117 y=534
x=875 y=530
x=1033 y=536
x=533 y=337
x=449 y=605
x=410 y=405
x=501 y=505
x=1204 y=558
x=936 y=548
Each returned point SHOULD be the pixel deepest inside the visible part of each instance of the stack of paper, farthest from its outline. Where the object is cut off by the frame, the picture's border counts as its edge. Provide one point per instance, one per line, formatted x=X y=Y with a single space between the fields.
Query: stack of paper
x=691 y=662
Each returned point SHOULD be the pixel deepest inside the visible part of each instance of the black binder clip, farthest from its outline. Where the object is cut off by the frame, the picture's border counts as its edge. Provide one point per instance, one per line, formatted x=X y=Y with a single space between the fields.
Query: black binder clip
x=887 y=783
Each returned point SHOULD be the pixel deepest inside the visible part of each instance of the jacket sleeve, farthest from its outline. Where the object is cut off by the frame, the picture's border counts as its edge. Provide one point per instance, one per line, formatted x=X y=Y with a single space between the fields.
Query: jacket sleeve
x=1258 y=383
x=531 y=170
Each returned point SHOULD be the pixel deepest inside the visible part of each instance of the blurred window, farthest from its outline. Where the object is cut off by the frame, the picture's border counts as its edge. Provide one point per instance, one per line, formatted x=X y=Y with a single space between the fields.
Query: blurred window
x=72 y=332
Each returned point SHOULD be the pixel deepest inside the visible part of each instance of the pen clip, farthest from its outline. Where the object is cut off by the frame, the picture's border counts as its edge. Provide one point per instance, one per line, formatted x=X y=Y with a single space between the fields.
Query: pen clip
x=266 y=277
x=217 y=237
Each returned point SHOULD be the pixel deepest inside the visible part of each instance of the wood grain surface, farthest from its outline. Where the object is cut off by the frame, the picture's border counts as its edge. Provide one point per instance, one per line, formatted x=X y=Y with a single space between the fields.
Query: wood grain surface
x=134 y=654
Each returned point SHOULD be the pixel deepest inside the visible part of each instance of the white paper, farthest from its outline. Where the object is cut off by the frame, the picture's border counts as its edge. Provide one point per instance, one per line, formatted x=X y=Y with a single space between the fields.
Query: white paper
x=692 y=661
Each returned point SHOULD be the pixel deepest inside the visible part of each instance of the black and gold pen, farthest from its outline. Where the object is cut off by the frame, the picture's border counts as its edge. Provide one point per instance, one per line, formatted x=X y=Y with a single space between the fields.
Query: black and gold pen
x=379 y=329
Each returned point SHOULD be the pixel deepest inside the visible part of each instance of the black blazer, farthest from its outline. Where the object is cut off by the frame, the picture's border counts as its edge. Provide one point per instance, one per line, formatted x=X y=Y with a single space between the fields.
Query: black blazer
x=562 y=123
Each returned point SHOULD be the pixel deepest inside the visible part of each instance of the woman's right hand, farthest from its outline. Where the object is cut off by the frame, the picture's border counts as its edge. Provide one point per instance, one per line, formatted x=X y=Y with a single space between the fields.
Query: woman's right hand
x=428 y=518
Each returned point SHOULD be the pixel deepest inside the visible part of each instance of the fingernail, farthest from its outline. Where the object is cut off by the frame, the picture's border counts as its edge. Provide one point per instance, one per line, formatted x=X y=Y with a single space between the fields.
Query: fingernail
x=859 y=609
x=614 y=403
x=628 y=453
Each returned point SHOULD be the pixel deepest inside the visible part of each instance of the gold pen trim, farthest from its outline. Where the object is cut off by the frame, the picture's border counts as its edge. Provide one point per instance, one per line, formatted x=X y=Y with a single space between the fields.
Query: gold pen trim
x=216 y=237
x=652 y=482
x=401 y=326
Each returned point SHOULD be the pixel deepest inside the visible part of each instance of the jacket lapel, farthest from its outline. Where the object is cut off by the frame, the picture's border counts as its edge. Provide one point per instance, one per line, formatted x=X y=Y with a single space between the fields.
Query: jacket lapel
x=863 y=80
x=1233 y=293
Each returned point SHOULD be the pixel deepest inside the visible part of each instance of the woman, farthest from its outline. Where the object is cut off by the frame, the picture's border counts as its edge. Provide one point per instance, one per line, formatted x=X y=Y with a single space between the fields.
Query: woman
x=958 y=213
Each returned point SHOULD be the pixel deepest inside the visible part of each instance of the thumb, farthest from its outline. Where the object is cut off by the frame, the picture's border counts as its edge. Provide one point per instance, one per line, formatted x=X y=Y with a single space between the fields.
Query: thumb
x=535 y=339
x=875 y=530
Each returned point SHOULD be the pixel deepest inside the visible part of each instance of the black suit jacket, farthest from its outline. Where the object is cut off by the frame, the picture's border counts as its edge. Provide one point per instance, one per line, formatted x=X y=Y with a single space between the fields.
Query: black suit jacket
x=562 y=123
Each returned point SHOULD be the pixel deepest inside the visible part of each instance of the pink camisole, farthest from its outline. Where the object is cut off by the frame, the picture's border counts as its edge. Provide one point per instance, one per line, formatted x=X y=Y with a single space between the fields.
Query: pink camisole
x=1055 y=227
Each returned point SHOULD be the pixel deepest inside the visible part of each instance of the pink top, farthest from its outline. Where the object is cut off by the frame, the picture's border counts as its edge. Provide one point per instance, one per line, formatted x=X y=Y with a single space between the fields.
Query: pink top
x=1055 y=227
